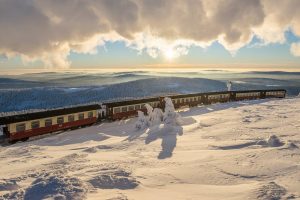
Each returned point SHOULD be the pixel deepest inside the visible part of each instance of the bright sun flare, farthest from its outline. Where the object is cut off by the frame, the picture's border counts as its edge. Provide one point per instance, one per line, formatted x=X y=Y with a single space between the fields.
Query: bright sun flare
x=170 y=54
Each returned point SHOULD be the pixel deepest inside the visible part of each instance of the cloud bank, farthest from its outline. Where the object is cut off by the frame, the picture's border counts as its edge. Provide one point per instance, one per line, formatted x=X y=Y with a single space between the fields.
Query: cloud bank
x=49 y=30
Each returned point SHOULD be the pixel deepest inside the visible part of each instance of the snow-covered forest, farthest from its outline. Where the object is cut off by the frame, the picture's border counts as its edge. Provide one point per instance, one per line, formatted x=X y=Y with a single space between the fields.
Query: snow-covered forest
x=46 y=91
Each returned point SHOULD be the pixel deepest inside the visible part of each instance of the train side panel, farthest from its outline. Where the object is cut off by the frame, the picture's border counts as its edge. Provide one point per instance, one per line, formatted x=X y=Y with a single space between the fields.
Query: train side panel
x=58 y=123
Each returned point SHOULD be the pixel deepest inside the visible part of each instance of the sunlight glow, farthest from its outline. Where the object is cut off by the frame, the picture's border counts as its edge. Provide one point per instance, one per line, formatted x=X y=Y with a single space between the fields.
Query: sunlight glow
x=170 y=54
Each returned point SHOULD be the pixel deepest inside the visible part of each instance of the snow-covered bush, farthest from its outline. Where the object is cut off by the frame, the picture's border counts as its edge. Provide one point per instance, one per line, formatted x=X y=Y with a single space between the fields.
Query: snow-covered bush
x=170 y=116
x=157 y=116
x=142 y=121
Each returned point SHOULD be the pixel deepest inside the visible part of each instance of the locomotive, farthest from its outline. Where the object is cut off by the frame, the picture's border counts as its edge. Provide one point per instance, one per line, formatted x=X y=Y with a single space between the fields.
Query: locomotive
x=20 y=127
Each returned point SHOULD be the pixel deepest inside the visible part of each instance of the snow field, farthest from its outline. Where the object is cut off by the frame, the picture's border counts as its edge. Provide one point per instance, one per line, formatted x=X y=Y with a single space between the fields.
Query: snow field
x=238 y=150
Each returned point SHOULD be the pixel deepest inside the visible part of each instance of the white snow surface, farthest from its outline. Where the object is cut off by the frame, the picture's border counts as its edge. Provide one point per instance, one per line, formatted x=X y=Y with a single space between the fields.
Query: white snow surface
x=239 y=150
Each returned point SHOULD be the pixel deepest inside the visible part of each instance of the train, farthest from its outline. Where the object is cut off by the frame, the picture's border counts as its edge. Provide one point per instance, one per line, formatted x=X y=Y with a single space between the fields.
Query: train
x=20 y=127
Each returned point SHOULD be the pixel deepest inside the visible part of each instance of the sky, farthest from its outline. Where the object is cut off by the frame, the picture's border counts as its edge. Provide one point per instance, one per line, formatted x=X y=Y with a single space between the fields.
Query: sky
x=91 y=34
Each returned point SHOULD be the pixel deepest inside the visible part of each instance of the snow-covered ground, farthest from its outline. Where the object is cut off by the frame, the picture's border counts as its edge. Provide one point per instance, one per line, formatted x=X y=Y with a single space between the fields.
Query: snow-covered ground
x=221 y=151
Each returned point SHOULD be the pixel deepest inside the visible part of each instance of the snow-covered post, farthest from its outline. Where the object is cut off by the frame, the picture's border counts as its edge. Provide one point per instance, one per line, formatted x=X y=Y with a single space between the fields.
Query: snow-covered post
x=229 y=85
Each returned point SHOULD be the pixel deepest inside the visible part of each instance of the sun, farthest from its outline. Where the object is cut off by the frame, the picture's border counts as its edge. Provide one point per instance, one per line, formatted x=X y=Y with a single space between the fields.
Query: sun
x=170 y=54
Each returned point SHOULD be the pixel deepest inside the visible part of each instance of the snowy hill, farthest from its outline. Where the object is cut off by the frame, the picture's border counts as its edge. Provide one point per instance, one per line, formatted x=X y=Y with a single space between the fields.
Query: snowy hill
x=223 y=151
x=53 y=97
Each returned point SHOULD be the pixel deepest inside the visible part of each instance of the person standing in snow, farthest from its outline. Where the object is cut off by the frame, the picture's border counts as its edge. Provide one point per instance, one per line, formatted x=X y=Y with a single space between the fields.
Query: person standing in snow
x=229 y=84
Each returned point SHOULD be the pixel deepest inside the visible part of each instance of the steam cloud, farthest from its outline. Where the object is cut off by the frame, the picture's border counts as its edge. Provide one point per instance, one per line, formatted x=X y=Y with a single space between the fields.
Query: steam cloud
x=50 y=29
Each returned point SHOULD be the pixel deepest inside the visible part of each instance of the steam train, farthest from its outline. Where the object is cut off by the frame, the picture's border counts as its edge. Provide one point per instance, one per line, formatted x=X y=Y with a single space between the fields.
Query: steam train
x=20 y=127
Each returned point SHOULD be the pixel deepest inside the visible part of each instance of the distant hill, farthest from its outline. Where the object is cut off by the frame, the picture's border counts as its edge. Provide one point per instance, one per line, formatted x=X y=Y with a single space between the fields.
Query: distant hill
x=25 y=94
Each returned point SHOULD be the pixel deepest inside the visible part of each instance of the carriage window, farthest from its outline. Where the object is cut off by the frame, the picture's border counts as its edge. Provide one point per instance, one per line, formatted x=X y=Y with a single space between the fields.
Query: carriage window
x=21 y=127
x=117 y=110
x=48 y=122
x=143 y=106
x=130 y=108
x=35 y=124
x=60 y=120
x=195 y=98
x=90 y=114
x=80 y=116
x=124 y=109
x=137 y=107
x=71 y=118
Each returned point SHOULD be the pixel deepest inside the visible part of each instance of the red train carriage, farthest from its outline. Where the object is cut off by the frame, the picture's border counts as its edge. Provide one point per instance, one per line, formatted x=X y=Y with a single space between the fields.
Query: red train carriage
x=129 y=108
x=189 y=100
x=23 y=126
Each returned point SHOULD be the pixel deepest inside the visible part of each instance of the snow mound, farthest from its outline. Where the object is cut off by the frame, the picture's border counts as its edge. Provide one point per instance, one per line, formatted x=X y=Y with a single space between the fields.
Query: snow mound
x=270 y=191
x=114 y=179
x=291 y=145
x=8 y=185
x=274 y=141
x=56 y=187
x=13 y=195
x=51 y=186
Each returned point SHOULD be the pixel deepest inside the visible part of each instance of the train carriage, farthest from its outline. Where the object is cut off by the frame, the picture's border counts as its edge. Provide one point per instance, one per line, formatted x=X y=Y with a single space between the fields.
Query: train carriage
x=189 y=100
x=246 y=95
x=275 y=94
x=218 y=97
x=129 y=108
x=23 y=126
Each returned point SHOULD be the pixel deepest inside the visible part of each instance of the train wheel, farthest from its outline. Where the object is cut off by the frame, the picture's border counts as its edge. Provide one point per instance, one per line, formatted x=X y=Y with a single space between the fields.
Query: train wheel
x=24 y=139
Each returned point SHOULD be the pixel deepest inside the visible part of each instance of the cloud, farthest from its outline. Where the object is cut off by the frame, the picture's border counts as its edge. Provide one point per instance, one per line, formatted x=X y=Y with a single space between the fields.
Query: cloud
x=49 y=30
x=295 y=49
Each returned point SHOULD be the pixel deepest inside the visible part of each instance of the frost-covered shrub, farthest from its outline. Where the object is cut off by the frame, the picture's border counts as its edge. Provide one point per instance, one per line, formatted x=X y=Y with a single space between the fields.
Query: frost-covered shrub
x=157 y=116
x=142 y=121
x=170 y=116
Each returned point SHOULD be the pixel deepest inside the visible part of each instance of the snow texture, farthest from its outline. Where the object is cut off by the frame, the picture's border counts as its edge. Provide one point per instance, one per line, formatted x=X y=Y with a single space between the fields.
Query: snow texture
x=236 y=150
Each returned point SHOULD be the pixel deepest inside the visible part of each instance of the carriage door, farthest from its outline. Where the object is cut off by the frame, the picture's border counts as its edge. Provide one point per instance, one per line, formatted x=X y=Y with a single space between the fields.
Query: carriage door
x=5 y=131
